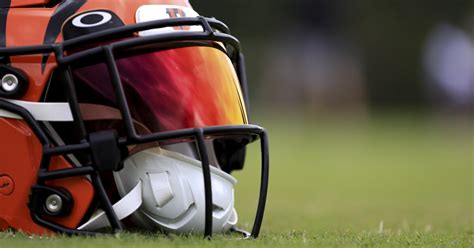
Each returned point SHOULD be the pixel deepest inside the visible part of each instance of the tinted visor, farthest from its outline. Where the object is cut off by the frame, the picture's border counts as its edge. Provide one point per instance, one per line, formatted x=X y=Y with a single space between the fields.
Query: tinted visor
x=171 y=89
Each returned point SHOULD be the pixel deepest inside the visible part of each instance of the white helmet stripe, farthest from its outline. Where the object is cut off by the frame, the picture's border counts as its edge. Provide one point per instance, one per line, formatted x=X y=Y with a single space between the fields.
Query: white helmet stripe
x=42 y=111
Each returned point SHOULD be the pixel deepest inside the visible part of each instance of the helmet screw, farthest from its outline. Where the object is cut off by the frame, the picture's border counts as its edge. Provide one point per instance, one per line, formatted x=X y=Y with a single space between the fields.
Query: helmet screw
x=9 y=82
x=54 y=203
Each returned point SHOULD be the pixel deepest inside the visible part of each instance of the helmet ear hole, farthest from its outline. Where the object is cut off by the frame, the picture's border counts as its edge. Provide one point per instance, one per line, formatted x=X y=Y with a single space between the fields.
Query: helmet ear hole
x=230 y=153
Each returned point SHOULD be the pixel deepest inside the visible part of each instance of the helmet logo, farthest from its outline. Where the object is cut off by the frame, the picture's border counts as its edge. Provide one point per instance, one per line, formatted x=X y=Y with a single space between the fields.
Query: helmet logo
x=89 y=22
x=6 y=185
x=91 y=19
x=177 y=13
x=153 y=12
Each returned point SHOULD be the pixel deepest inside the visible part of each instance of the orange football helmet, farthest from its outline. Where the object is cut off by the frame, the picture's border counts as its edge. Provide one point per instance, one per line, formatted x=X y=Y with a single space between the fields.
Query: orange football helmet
x=121 y=113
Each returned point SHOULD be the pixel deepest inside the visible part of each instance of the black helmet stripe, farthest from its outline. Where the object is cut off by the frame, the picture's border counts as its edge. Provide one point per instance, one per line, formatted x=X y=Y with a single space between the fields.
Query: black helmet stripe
x=4 y=7
x=64 y=11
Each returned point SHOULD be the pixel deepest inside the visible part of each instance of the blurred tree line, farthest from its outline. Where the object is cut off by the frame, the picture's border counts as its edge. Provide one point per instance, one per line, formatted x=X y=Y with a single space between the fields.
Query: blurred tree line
x=386 y=36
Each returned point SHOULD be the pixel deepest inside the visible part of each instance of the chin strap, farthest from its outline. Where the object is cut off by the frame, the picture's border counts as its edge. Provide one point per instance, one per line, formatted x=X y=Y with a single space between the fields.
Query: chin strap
x=123 y=208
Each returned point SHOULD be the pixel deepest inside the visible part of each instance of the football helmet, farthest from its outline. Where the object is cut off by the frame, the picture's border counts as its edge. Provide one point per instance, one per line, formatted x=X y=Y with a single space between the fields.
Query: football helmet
x=118 y=114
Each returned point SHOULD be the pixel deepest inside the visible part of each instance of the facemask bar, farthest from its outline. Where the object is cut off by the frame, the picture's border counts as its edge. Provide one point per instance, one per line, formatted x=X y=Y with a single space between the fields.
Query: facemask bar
x=197 y=134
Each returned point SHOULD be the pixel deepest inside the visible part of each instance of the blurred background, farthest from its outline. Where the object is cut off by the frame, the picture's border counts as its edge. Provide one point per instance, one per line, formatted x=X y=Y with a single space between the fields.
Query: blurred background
x=369 y=106
x=333 y=56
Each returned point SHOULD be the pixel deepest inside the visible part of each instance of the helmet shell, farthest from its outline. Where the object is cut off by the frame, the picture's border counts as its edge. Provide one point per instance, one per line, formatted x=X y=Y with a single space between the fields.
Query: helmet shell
x=41 y=23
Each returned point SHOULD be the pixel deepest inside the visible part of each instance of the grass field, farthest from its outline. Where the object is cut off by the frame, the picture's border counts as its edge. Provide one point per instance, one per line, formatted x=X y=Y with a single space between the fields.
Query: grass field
x=389 y=181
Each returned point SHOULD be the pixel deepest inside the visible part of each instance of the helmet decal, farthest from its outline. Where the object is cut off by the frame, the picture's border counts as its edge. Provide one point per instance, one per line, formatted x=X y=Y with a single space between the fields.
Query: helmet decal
x=6 y=185
x=90 y=22
x=64 y=11
x=148 y=13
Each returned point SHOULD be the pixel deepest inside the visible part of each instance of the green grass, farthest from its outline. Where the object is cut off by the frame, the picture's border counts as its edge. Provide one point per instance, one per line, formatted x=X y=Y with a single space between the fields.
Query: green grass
x=389 y=181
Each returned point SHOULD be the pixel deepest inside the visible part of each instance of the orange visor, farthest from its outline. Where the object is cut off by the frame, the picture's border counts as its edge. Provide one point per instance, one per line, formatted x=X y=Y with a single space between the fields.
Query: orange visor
x=173 y=89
